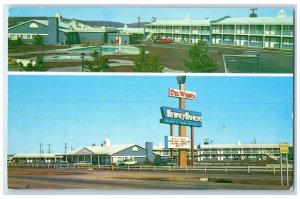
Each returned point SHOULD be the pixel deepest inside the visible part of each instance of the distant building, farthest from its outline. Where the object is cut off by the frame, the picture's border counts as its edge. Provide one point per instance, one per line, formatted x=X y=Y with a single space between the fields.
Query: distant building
x=34 y=158
x=60 y=31
x=264 y=32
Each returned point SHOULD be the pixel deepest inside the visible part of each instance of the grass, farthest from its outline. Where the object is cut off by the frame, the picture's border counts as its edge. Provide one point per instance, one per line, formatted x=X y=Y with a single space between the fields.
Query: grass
x=32 y=48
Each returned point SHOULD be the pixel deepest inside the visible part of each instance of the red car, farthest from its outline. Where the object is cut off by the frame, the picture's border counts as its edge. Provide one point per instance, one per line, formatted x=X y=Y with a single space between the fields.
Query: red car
x=164 y=41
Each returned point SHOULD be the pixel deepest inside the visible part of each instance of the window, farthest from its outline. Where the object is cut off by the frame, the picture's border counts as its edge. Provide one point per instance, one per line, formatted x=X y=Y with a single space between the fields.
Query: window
x=33 y=25
x=135 y=148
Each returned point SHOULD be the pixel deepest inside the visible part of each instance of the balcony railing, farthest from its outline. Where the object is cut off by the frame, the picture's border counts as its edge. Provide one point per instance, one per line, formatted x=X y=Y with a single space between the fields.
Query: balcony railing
x=242 y=31
x=278 y=32
x=288 y=33
x=257 y=32
x=228 y=31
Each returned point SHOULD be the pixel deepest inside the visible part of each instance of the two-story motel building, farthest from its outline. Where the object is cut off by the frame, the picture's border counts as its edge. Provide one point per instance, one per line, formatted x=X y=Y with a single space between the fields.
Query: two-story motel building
x=265 y=32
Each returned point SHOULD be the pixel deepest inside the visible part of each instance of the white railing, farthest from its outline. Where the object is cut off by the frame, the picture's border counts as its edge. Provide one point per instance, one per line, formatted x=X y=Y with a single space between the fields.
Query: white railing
x=274 y=168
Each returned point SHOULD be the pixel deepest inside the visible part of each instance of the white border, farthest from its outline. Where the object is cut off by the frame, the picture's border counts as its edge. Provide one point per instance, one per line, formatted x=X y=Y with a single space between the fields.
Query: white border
x=158 y=3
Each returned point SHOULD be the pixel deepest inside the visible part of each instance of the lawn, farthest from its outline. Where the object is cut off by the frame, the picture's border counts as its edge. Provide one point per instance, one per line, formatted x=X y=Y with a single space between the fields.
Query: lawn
x=32 y=48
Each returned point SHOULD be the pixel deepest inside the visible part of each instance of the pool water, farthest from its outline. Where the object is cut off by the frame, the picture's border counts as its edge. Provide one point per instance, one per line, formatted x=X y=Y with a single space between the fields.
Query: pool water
x=105 y=49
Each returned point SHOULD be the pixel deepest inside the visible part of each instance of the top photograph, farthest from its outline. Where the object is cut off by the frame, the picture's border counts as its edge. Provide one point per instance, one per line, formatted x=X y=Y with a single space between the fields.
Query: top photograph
x=151 y=39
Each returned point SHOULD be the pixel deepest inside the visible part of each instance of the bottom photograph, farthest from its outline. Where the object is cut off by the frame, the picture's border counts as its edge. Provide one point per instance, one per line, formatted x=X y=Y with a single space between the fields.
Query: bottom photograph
x=150 y=132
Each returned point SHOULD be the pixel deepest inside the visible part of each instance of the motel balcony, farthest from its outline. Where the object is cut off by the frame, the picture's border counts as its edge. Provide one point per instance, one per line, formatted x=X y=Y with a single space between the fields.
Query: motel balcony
x=256 y=32
x=287 y=33
x=242 y=31
x=230 y=31
x=278 y=33
x=217 y=31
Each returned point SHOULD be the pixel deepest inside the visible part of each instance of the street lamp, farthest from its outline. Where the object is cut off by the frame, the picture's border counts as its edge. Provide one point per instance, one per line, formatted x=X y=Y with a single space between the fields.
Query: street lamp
x=181 y=79
x=100 y=51
x=257 y=60
x=82 y=61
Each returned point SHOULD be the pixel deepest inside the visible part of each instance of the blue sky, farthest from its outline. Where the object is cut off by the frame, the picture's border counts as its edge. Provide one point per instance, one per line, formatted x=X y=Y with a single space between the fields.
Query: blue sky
x=81 y=110
x=129 y=14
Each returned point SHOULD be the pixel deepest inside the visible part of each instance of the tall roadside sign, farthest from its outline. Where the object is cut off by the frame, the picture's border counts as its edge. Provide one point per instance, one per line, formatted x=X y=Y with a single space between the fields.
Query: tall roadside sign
x=182 y=118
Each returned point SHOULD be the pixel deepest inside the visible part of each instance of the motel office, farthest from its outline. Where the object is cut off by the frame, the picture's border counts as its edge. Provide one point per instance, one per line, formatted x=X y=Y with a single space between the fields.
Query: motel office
x=264 y=32
x=61 y=31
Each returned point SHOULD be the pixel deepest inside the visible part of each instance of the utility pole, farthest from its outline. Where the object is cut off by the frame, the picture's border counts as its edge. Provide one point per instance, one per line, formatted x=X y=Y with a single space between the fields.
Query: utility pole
x=49 y=148
x=65 y=147
x=139 y=20
x=41 y=148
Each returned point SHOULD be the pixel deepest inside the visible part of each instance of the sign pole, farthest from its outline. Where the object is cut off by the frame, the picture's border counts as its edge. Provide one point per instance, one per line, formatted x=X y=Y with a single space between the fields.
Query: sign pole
x=287 y=169
x=192 y=145
x=182 y=155
x=171 y=134
x=281 y=177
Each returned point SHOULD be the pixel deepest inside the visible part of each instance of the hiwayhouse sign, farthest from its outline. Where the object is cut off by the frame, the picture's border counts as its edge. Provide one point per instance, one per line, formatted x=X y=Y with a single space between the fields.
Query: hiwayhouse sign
x=180 y=117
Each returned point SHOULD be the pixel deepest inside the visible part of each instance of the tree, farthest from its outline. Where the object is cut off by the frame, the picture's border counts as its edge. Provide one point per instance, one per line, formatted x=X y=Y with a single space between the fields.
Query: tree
x=200 y=61
x=99 y=64
x=147 y=63
x=38 y=40
x=12 y=43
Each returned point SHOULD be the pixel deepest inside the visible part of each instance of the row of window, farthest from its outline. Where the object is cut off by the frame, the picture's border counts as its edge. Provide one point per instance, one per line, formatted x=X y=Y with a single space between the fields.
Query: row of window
x=21 y=36
x=259 y=29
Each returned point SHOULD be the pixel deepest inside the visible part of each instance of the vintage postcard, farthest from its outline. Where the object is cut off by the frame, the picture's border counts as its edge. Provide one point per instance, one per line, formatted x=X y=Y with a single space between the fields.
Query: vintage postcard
x=154 y=98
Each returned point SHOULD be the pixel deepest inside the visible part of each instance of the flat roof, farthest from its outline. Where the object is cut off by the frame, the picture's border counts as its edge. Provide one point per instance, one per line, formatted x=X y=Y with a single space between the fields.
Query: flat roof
x=183 y=22
x=256 y=21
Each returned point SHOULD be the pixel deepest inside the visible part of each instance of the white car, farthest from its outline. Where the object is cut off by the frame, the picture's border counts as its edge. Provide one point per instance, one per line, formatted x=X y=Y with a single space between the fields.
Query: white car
x=82 y=164
x=126 y=162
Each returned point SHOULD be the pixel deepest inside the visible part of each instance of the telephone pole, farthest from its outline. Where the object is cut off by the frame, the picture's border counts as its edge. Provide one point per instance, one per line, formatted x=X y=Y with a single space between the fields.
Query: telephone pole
x=65 y=147
x=49 y=148
x=41 y=148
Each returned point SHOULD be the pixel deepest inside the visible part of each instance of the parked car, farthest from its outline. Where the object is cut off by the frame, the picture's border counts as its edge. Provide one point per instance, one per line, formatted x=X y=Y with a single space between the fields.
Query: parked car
x=126 y=162
x=165 y=162
x=61 y=164
x=163 y=41
x=82 y=164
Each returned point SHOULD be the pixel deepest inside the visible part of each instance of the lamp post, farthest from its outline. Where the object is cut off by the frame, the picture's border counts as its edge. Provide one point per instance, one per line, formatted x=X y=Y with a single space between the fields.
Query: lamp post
x=100 y=51
x=182 y=153
x=82 y=61
x=257 y=61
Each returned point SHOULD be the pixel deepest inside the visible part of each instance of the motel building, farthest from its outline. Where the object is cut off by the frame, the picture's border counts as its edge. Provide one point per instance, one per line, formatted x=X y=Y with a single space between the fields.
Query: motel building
x=264 y=32
x=231 y=152
x=57 y=30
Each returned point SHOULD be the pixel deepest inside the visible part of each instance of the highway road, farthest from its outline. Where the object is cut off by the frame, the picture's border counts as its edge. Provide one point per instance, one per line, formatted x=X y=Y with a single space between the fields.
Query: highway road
x=63 y=178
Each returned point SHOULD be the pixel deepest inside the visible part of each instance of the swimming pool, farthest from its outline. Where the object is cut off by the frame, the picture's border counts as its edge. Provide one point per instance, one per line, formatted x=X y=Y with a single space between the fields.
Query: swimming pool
x=108 y=49
x=105 y=49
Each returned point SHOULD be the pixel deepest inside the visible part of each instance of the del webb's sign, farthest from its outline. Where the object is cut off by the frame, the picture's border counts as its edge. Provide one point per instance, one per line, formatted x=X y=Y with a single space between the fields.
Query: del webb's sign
x=172 y=142
x=182 y=94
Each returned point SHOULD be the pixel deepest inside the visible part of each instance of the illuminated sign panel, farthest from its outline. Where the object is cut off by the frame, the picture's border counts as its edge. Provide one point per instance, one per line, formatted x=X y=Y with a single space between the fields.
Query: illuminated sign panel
x=180 y=117
x=172 y=142
x=284 y=148
x=182 y=94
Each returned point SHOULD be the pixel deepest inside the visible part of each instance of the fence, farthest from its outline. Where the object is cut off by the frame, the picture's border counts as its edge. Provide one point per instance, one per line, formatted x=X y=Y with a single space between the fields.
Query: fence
x=205 y=168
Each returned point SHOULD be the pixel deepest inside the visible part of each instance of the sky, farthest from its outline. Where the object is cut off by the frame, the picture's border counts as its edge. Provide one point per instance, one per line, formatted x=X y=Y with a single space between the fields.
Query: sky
x=129 y=14
x=82 y=110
